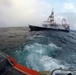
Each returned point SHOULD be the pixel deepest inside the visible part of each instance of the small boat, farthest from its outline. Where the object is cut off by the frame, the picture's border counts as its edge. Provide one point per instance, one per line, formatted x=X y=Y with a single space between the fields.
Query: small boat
x=9 y=66
x=50 y=24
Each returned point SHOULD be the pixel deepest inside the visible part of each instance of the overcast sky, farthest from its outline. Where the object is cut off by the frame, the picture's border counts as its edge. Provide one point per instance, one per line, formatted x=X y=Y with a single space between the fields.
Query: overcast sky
x=24 y=12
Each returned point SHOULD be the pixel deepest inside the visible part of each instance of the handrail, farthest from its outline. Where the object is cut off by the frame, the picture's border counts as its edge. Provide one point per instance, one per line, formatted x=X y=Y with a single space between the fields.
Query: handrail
x=63 y=70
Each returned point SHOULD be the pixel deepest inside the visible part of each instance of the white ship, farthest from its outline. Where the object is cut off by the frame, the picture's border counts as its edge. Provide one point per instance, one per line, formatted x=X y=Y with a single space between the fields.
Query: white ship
x=50 y=24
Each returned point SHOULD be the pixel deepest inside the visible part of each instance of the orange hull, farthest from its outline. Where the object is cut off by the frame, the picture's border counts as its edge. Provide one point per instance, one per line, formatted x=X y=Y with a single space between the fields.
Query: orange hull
x=22 y=69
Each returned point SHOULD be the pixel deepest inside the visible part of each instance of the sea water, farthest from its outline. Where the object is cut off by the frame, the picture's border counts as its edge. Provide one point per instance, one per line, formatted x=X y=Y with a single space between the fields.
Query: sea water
x=47 y=50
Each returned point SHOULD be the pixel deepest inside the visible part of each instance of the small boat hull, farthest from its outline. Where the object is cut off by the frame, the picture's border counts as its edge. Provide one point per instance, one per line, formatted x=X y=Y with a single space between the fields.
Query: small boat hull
x=37 y=28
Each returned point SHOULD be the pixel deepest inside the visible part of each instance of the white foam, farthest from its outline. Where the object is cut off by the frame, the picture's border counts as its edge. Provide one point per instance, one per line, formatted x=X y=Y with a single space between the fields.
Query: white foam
x=53 y=45
x=50 y=64
x=39 y=60
x=37 y=36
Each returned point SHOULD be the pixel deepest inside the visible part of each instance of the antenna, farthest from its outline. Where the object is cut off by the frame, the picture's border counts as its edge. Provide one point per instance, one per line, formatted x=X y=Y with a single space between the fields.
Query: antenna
x=52 y=9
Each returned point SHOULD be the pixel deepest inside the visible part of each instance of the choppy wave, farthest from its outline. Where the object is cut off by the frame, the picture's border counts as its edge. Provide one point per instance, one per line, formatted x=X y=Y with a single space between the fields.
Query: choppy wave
x=40 y=57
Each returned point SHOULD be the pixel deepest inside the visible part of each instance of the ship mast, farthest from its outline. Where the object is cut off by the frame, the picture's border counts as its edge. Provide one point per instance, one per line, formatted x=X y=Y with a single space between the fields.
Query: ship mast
x=51 y=17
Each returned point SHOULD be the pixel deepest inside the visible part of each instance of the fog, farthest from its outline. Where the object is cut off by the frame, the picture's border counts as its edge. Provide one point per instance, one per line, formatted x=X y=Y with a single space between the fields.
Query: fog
x=23 y=12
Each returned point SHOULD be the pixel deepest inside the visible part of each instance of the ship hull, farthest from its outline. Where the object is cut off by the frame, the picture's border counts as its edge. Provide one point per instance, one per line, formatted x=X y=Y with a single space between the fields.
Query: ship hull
x=37 y=28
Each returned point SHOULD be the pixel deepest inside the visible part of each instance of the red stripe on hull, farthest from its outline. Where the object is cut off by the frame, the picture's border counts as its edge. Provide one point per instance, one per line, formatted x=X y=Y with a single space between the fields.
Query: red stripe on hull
x=23 y=69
